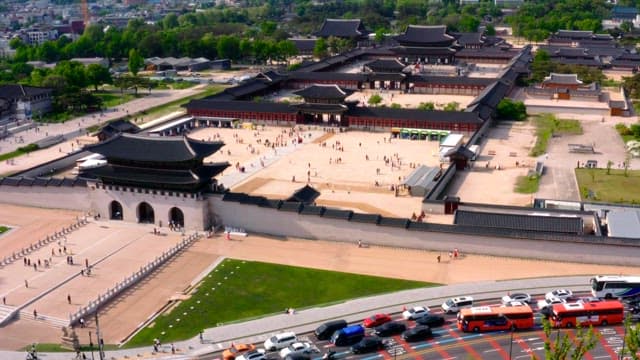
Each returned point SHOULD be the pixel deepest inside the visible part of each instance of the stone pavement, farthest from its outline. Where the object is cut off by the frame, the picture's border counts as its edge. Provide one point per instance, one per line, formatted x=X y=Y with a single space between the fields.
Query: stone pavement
x=305 y=320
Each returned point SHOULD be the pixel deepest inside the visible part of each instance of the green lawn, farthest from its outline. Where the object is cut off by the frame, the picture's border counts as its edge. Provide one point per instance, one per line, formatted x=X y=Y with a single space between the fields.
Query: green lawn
x=112 y=99
x=238 y=290
x=546 y=126
x=615 y=188
x=4 y=229
x=527 y=184
x=19 y=152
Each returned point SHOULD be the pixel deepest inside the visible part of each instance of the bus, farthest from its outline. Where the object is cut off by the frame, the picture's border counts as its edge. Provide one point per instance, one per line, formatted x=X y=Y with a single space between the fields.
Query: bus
x=492 y=318
x=587 y=313
x=609 y=286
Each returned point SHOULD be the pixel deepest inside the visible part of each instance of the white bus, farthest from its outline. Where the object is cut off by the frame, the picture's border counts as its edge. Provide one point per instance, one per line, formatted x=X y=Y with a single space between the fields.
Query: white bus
x=613 y=286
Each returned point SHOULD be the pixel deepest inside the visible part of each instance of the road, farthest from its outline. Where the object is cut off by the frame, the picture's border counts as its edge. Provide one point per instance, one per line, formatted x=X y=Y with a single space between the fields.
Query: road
x=71 y=127
x=450 y=343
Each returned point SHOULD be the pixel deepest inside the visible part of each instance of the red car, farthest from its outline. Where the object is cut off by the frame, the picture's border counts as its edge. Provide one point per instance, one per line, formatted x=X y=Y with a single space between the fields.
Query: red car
x=375 y=320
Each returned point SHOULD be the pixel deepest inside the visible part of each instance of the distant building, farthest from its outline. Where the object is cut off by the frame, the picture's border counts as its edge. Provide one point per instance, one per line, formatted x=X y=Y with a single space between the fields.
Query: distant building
x=508 y=3
x=343 y=28
x=30 y=100
x=181 y=64
x=564 y=81
x=305 y=46
x=426 y=44
x=37 y=37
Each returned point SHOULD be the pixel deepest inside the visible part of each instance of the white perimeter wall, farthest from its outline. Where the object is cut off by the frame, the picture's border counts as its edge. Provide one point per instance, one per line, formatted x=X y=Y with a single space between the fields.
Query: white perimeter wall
x=54 y=197
x=281 y=223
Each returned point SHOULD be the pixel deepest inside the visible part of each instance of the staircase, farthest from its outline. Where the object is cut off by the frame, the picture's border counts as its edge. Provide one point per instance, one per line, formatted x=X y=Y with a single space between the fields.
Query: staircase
x=5 y=311
x=51 y=321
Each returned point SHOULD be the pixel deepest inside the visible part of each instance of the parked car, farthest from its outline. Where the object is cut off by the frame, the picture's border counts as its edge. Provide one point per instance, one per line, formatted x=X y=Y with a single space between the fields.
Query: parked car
x=563 y=294
x=431 y=320
x=454 y=305
x=417 y=333
x=546 y=305
x=390 y=328
x=348 y=336
x=521 y=297
x=237 y=350
x=297 y=348
x=257 y=354
x=367 y=344
x=415 y=312
x=280 y=341
x=376 y=320
x=324 y=331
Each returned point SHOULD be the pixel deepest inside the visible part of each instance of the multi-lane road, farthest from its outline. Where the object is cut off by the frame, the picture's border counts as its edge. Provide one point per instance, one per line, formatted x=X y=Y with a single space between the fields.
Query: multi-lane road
x=450 y=343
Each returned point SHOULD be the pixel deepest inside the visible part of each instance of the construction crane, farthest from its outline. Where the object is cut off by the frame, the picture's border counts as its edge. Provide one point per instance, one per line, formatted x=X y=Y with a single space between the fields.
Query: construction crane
x=85 y=12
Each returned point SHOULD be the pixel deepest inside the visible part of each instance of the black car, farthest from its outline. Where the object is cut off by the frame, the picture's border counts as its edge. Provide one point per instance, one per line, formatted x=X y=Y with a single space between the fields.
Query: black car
x=390 y=328
x=367 y=344
x=417 y=333
x=431 y=320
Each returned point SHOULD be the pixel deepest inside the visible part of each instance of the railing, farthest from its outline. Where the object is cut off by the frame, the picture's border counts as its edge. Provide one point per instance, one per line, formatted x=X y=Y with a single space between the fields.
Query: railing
x=8 y=260
x=130 y=280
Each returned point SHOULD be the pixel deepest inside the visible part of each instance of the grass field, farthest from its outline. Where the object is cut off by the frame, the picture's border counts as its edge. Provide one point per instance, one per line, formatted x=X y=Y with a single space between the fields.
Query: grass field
x=527 y=184
x=112 y=99
x=172 y=106
x=238 y=290
x=615 y=188
x=546 y=126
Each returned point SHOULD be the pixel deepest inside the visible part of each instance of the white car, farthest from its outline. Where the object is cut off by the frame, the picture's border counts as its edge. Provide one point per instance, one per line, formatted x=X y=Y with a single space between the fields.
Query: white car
x=415 y=312
x=296 y=347
x=257 y=354
x=520 y=297
x=562 y=294
x=280 y=341
x=550 y=301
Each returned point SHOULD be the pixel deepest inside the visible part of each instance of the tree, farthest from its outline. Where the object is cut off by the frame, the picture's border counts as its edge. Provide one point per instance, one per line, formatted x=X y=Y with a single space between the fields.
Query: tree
x=98 y=75
x=135 y=61
x=396 y=106
x=511 y=110
x=228 y=47
x=427 y=106
x=320 y=48
x=452 y=106
x=565 y=346
x=375 y=99
x=631 y=340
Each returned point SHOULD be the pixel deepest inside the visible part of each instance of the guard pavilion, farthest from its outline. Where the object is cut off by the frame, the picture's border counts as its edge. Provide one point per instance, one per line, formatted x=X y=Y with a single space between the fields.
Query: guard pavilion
x=426 y=45
x=323 y=104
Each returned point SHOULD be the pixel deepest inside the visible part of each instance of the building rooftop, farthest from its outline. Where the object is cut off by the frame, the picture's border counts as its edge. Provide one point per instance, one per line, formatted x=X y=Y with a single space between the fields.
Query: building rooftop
x=420 y=34
x=344 y=28
x=321 y=91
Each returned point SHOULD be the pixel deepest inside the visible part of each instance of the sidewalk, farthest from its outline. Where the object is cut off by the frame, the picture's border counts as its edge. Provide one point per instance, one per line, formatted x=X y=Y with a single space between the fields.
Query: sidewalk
x=221 y=337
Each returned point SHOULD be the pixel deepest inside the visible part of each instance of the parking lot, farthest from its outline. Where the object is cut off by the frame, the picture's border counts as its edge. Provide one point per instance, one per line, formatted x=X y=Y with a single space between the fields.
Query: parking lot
x=447 y=342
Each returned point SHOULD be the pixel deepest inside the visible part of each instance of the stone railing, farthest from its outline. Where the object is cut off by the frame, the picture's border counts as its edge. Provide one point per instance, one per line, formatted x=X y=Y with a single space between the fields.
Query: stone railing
x=131 y=280
x=58 y=235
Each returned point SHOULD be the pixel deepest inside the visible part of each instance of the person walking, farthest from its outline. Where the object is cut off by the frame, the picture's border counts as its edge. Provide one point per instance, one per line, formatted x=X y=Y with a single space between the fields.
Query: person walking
x=26 y=284
x=69 y=298
x=35 y=314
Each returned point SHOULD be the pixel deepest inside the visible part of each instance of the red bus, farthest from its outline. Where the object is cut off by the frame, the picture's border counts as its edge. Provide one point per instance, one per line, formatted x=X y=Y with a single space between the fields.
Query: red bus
x=492 y=318
x=587 y=313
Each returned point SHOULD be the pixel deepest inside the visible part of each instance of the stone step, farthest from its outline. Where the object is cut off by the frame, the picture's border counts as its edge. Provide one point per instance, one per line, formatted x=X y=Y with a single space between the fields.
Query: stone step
x=5 y=311
x=52 y=321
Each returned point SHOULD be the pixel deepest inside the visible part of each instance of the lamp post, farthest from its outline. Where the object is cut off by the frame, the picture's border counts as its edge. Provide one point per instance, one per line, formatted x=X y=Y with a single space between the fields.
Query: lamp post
x=624 y=338
x=511 y=344
x=91 y=346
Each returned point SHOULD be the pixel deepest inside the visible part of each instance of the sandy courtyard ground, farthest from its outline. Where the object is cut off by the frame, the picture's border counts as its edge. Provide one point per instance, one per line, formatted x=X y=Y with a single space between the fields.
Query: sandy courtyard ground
x=336 y=164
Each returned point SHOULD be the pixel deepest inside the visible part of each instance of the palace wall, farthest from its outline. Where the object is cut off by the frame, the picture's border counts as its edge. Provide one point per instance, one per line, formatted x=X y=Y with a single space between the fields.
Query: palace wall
x=255 y=219
x=56 y=197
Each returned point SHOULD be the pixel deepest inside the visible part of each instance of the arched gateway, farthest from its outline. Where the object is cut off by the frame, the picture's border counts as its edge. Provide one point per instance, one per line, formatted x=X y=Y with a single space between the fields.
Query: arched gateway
x=176 y=217
x=145 y=213
x=115 y=211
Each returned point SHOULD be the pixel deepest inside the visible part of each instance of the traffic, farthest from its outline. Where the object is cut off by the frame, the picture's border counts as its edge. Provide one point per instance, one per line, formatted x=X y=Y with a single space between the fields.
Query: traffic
x=460 y=327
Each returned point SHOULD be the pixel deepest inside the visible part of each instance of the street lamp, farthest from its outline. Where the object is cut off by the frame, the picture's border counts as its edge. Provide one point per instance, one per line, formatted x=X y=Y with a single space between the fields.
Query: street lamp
x=91 y=346
x=511 y=343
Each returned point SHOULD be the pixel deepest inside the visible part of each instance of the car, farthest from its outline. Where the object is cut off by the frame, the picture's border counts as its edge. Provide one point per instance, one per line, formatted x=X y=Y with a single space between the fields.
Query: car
x=417 y=333
x=280 y=341
x=390 y=328
x=257 y=354
x=367 y=344
x=431 y=320
x=376 y=320
x=324 y=331
x=297 y=348
x=546 y=305
x=237 y=350
x=453 y=305
x=563 y=294
x=415 y=312
x=521 y=297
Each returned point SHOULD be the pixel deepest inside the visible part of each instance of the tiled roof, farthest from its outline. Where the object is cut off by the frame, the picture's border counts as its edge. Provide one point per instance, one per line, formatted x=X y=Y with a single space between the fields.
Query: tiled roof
x=346 y=28
x=320 y=91
x=306 y=195
x=420 y=34
x=17 y=91
x=415 y=114
x=384 y=65
x=304 y=45
x=565 y=79
x=241 y=106
x=556 y=224
x=156 y=176
x=154 y=148
x=469 y=38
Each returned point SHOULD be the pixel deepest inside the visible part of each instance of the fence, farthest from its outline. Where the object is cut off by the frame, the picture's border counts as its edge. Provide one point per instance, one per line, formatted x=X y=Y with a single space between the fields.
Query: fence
x=8 y=260
x=130 y=280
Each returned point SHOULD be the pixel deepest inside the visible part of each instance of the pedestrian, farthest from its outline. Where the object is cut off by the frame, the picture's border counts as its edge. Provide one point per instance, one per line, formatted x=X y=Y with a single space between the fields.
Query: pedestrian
x=26 y=284
x=69 y=298
x=359 y=243
x=25 y=261
x=35 y=314
x=173 y=348
x=35 y=266
x=4 y=300
x=450 y=255
x=201 y=336
x=438 y=259
x=86 y=262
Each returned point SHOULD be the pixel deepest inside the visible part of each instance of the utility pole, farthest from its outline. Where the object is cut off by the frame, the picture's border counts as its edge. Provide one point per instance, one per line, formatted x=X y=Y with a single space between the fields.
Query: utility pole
x=99 y=339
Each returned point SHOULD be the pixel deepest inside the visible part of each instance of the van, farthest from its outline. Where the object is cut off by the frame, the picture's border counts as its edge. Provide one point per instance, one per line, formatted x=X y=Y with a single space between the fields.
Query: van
x=454 y=305
x=280 y=341
x=348 y=336
x=324 y=331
